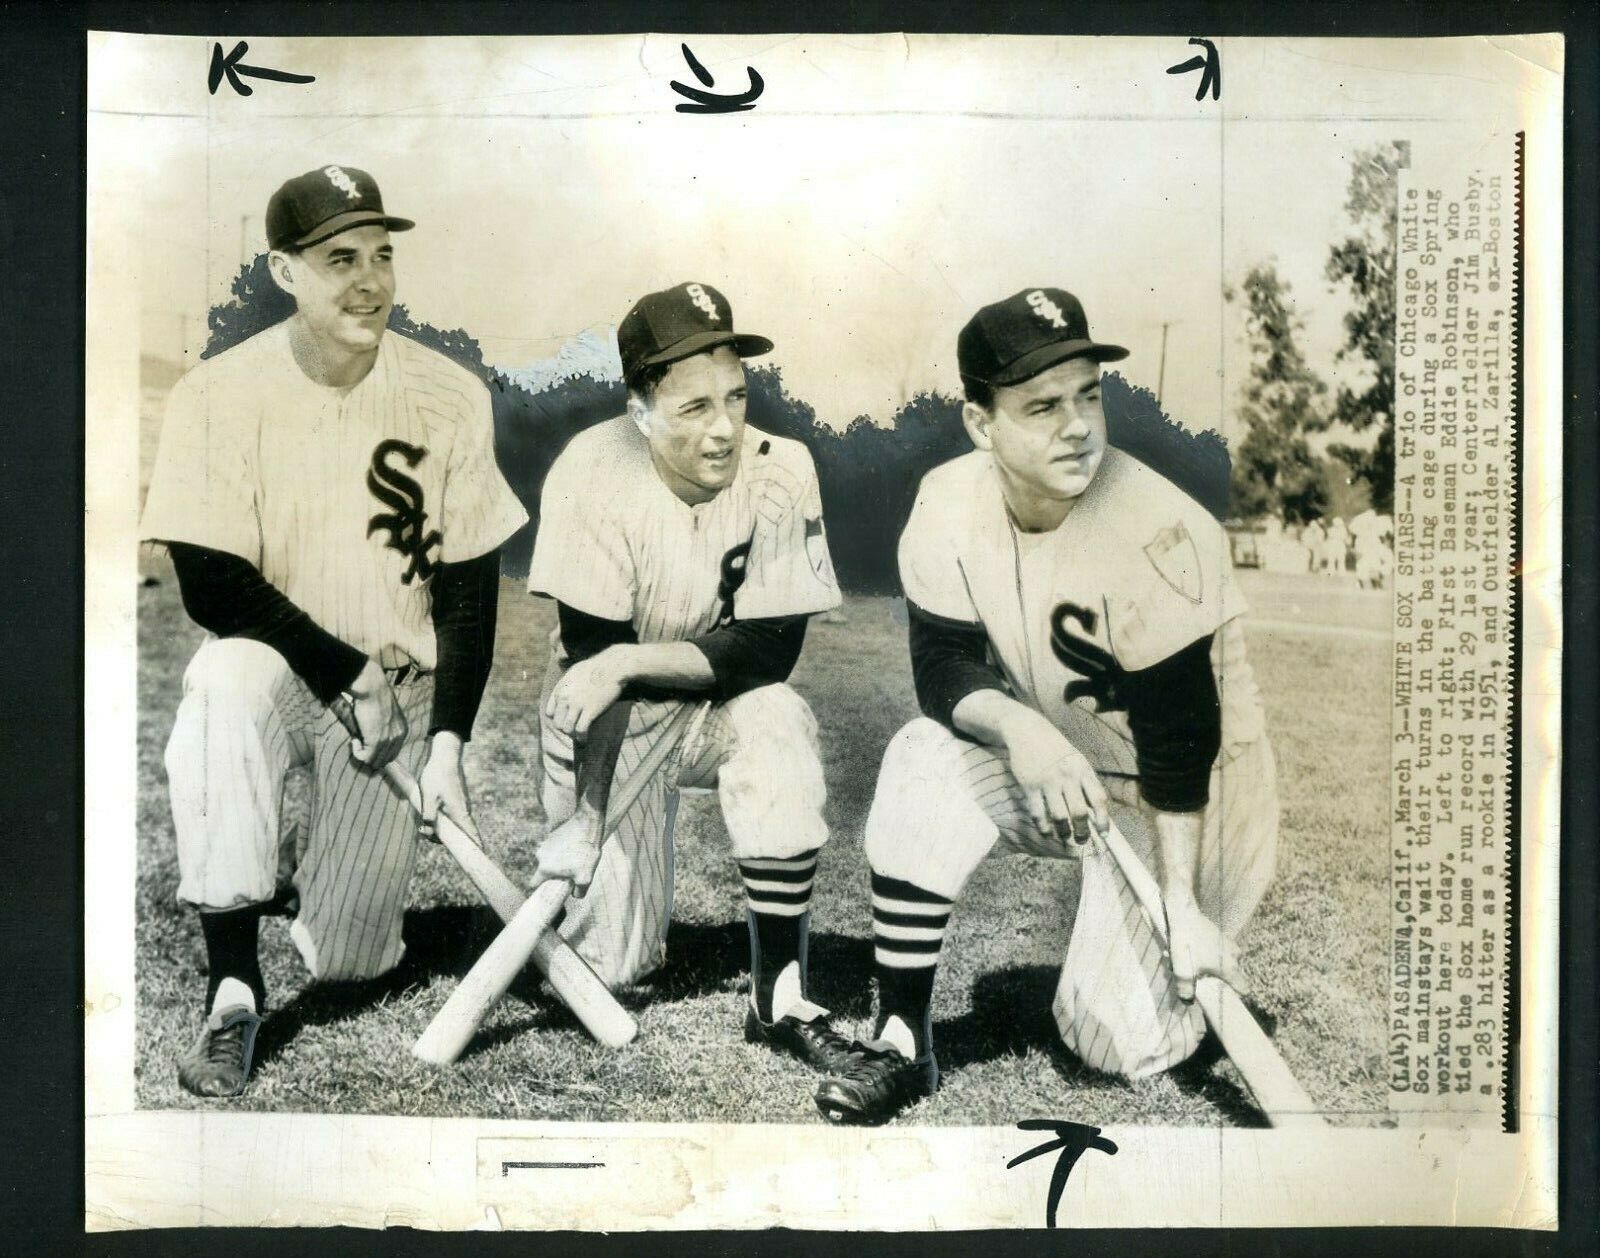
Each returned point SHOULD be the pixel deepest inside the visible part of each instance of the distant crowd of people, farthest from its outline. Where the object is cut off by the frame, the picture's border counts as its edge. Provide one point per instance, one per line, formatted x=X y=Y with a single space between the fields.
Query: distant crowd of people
x=1331 y=546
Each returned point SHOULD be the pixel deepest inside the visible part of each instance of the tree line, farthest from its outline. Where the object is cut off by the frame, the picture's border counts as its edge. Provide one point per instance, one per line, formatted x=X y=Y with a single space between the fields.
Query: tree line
x=1289 y=462
x=1286 y=405
x=868 y=472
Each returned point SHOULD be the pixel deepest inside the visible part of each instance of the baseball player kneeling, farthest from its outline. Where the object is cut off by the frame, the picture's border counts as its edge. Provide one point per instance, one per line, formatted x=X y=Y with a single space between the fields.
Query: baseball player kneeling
x=331 y=503
x=1078 y=655
x=685 y=550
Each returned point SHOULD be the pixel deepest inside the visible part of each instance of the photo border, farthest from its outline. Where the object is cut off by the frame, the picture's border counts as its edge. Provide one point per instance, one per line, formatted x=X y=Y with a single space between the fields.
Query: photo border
x=43 y=800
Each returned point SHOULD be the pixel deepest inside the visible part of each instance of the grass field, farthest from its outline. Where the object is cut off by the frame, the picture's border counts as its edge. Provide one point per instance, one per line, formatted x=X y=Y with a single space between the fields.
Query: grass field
x=1315 y=951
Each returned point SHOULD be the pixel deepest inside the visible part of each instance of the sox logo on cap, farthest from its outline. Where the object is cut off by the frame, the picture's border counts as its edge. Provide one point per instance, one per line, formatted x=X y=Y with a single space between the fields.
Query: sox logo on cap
x=702 y=299
x=1046 y=309
x=343 y=182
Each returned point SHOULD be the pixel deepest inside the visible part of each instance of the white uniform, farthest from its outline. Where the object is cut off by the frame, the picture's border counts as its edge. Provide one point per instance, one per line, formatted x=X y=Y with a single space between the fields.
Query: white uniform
x=1314 y=538
x=615 y=542
x=1373 y=559
x=1136 y=572
x=1336 y=547
x=346 y=501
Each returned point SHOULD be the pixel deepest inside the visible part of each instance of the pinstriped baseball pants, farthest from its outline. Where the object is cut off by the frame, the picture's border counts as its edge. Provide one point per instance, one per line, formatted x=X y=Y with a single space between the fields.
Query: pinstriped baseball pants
x=246 y=719
x=758 y=750
x=943 y=802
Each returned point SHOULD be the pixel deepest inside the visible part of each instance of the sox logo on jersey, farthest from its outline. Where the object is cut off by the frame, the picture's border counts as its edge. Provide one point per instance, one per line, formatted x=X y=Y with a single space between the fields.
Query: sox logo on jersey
x=406 y=518
x=1099 y=675
x=733 y=567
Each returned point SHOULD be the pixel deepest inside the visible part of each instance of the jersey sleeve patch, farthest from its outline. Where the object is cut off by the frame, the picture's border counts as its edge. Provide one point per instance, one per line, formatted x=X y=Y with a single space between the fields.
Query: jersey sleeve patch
x=1182 y=589
x=790 y=570
x=1173 y=555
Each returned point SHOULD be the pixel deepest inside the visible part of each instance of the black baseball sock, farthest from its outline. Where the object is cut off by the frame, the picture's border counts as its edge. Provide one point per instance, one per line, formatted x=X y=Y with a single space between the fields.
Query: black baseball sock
x=779 y=895
x=231 y=937
x=908 y=925
x=907 y=994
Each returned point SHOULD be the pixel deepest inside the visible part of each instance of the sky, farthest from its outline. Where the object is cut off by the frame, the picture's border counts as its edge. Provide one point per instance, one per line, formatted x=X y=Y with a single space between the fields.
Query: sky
x=859 y=235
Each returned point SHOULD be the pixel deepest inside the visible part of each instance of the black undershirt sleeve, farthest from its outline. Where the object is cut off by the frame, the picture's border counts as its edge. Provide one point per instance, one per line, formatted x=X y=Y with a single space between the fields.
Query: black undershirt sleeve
x=1176 y=720
x=949 y=661
x=743 y=655
x=229 y=597
x=748 y=654
x=466 y=596
x=584 y=636
x=1173 y=710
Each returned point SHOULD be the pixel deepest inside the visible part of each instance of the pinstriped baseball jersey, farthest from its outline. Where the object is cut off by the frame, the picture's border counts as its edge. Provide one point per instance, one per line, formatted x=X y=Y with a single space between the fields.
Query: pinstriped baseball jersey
x=346 y=500
x=615 y=541
x=1137 y=571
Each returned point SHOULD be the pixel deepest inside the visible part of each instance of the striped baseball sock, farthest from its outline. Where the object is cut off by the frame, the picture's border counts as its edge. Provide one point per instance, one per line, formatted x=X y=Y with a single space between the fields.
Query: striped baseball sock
x=778 y=892
x=908 y=925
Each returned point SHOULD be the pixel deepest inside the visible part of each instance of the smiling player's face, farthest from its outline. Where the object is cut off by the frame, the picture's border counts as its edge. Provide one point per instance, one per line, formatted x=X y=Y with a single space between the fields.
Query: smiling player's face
x=1047 y=434
x=344 y=288
x=694 y=422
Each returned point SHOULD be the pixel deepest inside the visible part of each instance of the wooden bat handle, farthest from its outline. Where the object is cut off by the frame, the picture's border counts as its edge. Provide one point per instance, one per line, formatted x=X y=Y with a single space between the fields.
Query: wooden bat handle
x=1139 y=880
x=487 y=980
x=1278 y=1093
x=498 y=891
x=579 y=988
x=617 y=806
x=454 y=1025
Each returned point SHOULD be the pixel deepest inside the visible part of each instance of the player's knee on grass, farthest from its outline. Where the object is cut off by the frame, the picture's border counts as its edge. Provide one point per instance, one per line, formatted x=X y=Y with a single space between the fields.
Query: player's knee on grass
x=925 y=825
x=336 y=961
x=771 y=785
x=1116 y=1005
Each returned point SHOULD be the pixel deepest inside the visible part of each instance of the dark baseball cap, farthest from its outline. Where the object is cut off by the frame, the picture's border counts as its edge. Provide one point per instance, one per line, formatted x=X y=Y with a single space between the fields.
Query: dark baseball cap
x=679 y=322
x=321 y=203
x=1015 y=339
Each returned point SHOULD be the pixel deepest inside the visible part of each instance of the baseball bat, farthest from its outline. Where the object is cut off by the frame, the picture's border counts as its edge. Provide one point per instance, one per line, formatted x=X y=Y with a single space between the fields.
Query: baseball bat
x=579 y=988
x=447 y=1036
x=1277 y=1092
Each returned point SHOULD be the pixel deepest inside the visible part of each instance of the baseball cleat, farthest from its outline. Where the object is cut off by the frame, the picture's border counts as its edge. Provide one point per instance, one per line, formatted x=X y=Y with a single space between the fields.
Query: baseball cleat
x=219 y=1062
x=813 y=1041
x=878 y=1082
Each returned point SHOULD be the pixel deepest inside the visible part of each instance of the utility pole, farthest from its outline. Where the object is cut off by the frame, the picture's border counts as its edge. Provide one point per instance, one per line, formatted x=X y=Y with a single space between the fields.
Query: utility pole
x=1161 y=375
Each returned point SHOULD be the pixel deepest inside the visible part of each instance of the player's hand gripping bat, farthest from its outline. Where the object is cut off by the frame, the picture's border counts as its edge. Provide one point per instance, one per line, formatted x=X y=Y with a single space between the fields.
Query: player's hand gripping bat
x=456 y=1023
x=1278 y=1093
x=573 y=981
